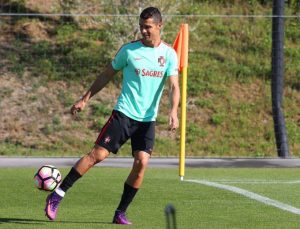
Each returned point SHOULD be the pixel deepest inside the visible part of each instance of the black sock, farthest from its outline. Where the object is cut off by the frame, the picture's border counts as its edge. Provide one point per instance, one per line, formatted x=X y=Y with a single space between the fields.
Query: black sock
x=128 y=195
x=70 y=179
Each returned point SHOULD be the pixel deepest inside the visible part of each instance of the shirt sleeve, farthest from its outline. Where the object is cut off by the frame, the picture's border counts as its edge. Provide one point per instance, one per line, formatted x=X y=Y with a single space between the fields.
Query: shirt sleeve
x=172 y=69
x=120 y=60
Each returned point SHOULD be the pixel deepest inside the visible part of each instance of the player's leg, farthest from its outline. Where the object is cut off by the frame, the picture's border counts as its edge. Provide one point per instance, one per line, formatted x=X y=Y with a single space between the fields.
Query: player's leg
x=142 y=142
x=136 y=175
x=97 y=155
x=131 y=186
x=103 y=146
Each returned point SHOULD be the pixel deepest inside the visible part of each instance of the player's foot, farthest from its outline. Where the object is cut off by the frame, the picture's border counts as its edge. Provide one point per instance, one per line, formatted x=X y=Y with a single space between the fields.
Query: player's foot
x=52 y=203
x=120 y=218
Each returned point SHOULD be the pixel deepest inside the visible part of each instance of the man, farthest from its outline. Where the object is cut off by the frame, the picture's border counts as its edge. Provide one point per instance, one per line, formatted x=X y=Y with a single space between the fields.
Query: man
x=146 y=64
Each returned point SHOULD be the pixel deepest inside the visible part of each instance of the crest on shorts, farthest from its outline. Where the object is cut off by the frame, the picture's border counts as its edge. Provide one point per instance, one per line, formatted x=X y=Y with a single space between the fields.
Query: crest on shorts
x=161 y=61
x=107 y=140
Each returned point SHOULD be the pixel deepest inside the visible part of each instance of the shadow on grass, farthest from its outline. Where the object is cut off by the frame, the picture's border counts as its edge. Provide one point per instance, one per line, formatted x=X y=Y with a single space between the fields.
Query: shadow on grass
x=37 y=221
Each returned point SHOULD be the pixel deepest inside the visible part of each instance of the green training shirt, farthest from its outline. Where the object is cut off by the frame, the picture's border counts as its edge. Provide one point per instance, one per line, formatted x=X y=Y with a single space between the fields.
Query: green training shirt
x=145 y=70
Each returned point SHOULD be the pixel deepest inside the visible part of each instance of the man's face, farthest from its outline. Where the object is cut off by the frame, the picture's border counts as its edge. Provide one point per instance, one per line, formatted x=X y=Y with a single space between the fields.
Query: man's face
x=150 y=30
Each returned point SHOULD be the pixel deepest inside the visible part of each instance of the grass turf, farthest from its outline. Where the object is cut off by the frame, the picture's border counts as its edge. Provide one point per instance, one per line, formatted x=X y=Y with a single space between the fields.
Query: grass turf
x=92 y=200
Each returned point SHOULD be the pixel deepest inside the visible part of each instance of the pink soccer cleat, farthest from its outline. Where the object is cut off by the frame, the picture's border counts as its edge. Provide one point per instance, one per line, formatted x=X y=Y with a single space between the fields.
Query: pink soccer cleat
x=52 y=203
x=120 y=218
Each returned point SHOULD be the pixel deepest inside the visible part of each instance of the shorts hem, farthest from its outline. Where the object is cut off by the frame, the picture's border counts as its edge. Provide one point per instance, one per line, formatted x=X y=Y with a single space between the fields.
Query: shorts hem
x=146 y=151
x=105 y=147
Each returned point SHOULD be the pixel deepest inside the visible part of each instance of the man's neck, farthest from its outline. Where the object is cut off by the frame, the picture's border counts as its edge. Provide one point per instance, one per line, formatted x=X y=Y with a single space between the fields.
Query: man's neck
x=154 y=43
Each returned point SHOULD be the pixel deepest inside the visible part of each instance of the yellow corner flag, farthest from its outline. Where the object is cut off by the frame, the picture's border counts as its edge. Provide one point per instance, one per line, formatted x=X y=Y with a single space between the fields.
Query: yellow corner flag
x=181 y=47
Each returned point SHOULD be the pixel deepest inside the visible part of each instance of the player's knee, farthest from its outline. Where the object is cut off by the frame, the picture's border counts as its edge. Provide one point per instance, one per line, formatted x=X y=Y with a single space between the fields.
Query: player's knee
x=144 y=163
x=141 y=164
x=97 y=155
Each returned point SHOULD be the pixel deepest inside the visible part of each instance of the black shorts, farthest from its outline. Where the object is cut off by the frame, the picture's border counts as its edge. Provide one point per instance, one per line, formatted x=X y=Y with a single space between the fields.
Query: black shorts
x=119 y=128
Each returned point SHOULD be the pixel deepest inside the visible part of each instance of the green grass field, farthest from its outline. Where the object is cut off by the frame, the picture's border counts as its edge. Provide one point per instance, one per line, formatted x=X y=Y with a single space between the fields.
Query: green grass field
x=91 y=202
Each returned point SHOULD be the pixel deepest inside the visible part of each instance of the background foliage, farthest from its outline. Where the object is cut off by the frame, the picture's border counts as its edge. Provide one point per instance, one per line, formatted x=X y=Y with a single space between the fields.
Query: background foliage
x=49 y=61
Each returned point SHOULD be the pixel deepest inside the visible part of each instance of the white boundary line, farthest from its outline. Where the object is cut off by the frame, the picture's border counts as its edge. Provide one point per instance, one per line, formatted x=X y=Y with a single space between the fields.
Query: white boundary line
x=257 y=181
x=250 y=195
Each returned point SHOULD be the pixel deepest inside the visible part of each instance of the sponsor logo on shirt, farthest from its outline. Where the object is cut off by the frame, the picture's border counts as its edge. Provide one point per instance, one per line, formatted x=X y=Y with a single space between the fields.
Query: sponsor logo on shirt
x=151 y=73
x=137 y=71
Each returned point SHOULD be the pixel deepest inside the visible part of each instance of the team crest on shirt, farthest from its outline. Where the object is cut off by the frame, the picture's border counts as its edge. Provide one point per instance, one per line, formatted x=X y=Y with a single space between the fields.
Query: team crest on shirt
x=161 y=61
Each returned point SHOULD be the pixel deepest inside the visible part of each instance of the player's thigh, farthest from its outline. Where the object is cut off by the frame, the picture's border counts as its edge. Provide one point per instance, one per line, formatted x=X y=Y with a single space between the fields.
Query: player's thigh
x=143 y=139
x=114 y=133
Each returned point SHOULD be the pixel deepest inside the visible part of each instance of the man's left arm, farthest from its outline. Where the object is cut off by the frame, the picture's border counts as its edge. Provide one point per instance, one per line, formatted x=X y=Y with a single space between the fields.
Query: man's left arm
x=174 y=99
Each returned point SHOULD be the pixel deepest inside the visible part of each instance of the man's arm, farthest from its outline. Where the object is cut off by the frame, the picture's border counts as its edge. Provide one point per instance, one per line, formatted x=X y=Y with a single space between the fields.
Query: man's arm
x=174 y=99
x=98 y=84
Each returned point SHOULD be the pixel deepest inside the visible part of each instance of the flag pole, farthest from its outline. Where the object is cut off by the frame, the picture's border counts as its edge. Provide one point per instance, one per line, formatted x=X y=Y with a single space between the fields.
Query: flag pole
x=181 y=47
x=183 y=123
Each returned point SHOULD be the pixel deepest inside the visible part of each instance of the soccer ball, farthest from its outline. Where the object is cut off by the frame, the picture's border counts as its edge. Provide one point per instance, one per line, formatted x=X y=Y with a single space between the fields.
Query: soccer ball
x=47 y=178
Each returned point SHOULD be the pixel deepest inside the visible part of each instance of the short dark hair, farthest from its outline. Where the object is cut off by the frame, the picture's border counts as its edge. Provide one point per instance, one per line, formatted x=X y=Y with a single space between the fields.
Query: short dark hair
x=151 y=12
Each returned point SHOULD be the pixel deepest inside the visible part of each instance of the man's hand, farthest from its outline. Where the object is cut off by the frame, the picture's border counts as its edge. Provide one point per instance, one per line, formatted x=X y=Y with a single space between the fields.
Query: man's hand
x=78 y=106
x=173 y=120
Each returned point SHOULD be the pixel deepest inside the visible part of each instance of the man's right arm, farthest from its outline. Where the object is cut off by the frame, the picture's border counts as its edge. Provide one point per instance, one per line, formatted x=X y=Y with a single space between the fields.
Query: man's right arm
x=98 y=84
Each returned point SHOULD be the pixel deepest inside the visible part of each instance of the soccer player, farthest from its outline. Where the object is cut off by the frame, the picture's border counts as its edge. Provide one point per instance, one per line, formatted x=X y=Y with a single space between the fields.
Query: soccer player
x=146 y=65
